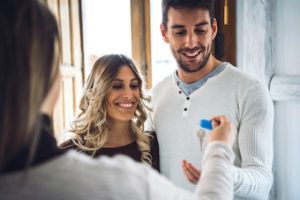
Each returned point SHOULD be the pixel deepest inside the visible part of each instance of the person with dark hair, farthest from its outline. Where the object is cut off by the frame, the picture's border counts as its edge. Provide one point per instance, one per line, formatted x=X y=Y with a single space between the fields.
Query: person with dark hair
x=201 y=87
x=113 y=113
x=32 y=166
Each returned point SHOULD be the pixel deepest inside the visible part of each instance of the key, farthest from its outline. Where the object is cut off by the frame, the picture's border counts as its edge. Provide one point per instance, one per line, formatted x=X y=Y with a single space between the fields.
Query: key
x=201 y=134
x=204 y=123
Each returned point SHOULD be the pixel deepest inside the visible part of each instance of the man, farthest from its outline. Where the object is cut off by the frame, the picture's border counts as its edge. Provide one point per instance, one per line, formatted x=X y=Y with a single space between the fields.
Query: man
x=202 y=87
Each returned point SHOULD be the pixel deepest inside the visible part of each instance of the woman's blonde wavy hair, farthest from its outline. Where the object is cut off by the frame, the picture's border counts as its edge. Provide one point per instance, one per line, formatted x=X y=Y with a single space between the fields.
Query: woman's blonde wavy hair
x=91 y=125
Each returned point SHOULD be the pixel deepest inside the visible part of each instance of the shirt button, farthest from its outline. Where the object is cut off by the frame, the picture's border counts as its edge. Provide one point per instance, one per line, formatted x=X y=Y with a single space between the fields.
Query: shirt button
x=185 y=109
x=179 y=92
x=188 y=98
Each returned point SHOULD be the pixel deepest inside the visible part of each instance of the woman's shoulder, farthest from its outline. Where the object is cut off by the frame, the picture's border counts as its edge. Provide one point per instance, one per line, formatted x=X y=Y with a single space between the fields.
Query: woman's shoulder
x=70 y=145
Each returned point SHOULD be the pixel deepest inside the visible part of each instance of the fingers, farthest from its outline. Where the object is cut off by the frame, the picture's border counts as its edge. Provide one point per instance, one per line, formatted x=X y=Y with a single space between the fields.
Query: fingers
x=223 y=130
x=191 y=172
x=219 y=120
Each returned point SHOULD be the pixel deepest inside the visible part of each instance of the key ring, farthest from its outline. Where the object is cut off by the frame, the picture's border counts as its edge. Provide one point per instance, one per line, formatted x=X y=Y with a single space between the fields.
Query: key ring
x=206 y=124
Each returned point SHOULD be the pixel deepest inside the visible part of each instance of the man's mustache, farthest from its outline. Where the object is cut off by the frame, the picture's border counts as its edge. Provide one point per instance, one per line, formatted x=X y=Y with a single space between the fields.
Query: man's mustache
x=189 y=50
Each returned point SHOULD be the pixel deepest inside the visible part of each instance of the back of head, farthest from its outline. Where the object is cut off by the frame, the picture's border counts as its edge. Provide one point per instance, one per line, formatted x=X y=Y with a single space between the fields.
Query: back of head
x=186 y=4
x=28 y=32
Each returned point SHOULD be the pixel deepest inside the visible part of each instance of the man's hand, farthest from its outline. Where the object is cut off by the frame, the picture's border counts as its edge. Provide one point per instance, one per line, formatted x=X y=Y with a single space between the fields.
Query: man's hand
x=191 y=172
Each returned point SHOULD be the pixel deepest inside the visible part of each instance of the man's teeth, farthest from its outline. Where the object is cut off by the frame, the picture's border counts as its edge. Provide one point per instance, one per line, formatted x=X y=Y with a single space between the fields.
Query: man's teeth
x=126 y=105
x=191 y=54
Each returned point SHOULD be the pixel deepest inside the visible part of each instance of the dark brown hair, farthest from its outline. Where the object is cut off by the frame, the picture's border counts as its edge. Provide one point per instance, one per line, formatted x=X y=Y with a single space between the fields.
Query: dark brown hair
x=28 y=33
x=191 y=4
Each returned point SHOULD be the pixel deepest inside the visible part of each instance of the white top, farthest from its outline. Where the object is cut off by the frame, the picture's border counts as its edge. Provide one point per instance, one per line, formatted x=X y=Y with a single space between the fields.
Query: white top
x=175 y=118
x=77 y=176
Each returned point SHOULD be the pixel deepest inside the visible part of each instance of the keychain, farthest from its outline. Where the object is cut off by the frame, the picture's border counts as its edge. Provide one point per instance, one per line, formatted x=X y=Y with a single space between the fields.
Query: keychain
x=206 y=124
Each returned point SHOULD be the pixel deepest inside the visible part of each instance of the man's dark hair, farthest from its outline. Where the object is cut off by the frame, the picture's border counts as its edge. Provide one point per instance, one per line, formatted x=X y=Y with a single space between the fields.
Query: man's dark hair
x=180 y=4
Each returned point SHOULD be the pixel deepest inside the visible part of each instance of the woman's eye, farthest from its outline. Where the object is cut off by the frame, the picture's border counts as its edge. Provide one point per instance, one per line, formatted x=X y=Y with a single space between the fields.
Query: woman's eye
x=135 y=86
x=117 y=86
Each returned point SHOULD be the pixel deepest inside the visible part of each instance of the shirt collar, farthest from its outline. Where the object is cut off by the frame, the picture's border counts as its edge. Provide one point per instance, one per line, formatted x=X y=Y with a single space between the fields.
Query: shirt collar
x=190 y=88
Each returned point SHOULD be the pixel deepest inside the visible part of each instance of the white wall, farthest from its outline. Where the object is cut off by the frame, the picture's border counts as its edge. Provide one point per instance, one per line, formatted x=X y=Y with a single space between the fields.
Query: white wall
x=286 y=60
x=254 y=47
x=268 y=43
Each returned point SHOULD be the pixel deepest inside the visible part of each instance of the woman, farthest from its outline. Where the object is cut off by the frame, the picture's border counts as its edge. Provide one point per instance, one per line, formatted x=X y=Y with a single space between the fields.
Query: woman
x=113 y=113
x=31 y=165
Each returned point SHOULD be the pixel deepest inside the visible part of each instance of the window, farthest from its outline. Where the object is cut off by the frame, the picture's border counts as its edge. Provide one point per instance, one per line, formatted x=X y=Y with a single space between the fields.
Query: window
x=163 y=63
x=106 y=29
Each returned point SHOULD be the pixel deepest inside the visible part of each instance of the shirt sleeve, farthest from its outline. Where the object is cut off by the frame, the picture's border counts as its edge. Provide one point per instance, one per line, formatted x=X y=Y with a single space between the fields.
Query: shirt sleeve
x=216 y=178
x=255 y=139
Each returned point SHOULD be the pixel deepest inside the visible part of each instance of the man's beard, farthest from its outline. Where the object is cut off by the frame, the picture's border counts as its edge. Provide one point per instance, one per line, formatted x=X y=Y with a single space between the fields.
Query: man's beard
x=186 y=68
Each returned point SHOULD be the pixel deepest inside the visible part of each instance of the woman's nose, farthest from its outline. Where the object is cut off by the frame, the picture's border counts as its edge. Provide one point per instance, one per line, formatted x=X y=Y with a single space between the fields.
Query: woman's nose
x=128 y=93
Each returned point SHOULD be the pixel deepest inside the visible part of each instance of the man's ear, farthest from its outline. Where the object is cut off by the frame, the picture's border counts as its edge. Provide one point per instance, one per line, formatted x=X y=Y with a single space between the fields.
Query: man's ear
x=164 y=33
x=214 y=27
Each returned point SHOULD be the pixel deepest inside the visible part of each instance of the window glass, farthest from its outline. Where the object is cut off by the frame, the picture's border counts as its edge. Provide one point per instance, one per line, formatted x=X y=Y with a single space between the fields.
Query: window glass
x=162 y=61
x=106 y=29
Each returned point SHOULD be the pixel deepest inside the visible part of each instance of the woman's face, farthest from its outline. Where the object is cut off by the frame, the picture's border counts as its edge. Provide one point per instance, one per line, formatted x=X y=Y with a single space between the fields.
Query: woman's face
x=122 y=100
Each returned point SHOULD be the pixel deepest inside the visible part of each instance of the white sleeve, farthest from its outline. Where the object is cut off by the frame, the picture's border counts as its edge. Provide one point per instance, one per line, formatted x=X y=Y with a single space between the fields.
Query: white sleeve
x=217 y=175
x=216 y=178
x=255 y=139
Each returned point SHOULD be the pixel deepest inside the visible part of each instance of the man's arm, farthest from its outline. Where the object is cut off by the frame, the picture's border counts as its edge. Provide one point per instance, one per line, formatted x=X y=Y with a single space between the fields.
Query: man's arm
x=255 y=139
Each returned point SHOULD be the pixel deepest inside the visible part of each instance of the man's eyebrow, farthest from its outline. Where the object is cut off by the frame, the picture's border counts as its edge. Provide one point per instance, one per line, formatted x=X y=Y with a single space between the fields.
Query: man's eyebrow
x=178 y=26
x=201 y=24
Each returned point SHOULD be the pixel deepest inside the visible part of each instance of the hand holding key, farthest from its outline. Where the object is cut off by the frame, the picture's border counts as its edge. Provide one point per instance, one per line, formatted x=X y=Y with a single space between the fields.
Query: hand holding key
x=221 y=130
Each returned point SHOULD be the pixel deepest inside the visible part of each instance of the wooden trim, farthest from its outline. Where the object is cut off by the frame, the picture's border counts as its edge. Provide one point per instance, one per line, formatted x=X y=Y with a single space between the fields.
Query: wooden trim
x=148 y=44
x=225 y=42
x=285 y=87
x=65 y=31
x=68 y=15
x=230 y=33
x=76 y=39
x=140 y=34
x=76 y=50
x=136 y=30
